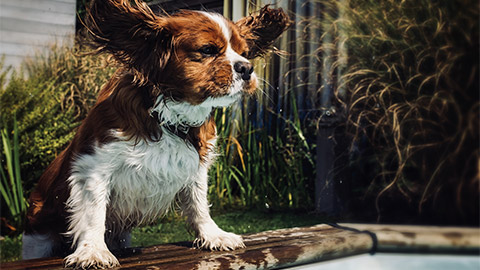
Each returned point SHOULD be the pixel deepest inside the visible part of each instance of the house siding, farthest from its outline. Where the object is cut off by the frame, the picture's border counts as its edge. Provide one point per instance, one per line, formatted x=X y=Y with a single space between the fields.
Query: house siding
x=31 y=26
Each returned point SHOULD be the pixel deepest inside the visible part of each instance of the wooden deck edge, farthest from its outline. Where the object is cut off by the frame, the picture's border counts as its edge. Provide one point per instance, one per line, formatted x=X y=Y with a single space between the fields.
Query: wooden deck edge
x=422 y=239
x=290 y=247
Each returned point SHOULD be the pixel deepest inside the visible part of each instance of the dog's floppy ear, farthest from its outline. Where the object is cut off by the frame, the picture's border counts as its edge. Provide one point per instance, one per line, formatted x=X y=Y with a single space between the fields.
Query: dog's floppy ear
x=131 y=32
x=260 y=30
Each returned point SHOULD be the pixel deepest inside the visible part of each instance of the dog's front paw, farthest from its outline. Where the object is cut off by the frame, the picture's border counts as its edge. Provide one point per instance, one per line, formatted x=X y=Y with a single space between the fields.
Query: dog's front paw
x=90 y=256
x=213 y=238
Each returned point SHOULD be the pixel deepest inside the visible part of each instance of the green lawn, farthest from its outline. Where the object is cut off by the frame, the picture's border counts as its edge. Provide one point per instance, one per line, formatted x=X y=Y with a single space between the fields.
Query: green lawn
x=173 y=228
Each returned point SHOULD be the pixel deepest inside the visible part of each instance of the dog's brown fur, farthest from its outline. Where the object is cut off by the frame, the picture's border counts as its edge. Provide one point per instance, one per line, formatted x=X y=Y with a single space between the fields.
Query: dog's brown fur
x=152 y=50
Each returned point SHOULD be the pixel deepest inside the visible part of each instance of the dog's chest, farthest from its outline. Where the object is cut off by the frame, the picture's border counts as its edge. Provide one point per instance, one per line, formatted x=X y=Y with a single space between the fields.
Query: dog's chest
x=149 y=175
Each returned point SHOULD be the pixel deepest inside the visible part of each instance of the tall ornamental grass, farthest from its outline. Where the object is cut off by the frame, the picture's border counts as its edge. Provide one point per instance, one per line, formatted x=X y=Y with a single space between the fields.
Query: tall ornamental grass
x=412 y=104
x=260 y=167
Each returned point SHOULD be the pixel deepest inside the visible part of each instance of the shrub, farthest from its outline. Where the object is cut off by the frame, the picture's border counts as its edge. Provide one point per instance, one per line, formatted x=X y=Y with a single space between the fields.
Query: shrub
x=50 y=95
x=413 y=104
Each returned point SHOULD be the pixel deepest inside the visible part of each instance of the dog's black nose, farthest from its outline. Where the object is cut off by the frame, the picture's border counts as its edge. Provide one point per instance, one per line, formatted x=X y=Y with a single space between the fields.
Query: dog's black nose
x=244 y=68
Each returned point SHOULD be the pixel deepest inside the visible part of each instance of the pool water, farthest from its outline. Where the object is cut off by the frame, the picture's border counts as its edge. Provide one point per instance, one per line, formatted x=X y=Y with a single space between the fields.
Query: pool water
x=392 y=261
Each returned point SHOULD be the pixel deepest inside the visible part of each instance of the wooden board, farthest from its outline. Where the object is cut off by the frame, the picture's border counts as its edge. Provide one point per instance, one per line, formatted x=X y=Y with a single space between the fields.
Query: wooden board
x=269 y=249
x=423 y=239
x=290 y=247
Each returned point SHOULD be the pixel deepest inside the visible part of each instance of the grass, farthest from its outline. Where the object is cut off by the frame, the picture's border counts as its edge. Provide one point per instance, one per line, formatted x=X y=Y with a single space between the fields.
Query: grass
x=261 y=165
x=173 y=228
x=11 y=248
x=240 y=222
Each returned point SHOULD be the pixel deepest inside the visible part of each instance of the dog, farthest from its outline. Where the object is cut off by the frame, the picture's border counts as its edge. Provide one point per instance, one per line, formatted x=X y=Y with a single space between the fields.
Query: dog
x=150 y=138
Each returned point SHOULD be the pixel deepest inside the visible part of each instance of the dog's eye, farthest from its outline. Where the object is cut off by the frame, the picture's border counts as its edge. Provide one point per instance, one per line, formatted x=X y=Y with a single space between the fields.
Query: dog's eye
x=244 y=54
x=209 y=50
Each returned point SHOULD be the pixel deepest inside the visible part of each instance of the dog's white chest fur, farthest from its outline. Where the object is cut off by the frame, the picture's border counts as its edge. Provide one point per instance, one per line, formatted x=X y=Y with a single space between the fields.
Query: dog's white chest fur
x=142 y=179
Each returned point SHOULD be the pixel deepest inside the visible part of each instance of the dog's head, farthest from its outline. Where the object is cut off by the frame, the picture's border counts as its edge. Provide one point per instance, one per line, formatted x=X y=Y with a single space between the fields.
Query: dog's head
x=190 y=56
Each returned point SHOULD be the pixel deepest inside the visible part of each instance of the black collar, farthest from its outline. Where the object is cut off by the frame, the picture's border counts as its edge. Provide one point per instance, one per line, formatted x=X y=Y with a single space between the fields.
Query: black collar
x=180 y=130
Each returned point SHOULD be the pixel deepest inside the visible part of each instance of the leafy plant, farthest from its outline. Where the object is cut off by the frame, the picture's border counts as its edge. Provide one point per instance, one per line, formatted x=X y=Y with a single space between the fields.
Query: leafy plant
x=11 y=182
x=50 y=95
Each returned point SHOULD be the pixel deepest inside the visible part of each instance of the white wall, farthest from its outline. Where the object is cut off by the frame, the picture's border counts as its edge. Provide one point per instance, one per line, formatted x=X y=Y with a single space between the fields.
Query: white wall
x=29 y=26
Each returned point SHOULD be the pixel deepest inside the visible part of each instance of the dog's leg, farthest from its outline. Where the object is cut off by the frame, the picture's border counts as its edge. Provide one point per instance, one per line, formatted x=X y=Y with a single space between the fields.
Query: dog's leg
x=193 y=201
x=87 y=206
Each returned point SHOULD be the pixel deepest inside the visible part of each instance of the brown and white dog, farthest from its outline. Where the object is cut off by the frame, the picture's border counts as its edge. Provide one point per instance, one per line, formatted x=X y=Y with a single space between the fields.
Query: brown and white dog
x=150 y=137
